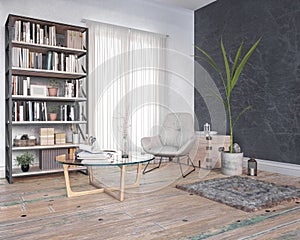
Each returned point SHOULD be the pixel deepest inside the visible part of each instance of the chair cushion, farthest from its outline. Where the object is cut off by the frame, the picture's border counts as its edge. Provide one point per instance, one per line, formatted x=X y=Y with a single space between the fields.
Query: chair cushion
x=177 y=129
x=170 y=136
x=167 y=151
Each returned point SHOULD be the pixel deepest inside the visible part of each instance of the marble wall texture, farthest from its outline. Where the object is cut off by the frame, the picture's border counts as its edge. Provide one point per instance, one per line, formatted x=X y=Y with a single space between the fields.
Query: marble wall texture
x=271 y=79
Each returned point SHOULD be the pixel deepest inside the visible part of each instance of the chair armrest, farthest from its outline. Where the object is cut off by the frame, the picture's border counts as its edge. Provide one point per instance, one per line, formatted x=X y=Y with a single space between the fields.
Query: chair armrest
x=150 y=142
x=186 y=148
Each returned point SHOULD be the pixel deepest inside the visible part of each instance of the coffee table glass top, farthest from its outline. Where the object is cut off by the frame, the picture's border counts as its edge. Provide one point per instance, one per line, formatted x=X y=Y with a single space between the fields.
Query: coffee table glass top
x=105 y=159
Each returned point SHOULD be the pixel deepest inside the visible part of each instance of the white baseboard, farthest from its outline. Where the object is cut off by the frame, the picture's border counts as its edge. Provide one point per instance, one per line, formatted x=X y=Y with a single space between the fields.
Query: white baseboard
x=276 y=167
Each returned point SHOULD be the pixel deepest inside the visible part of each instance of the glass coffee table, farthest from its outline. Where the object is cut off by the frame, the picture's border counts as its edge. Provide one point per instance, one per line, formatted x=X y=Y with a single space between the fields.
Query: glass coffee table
x=111 y=160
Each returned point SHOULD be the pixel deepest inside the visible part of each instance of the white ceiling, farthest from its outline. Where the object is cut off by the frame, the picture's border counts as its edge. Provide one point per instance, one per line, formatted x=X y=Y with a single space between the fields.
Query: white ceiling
x=188 y=4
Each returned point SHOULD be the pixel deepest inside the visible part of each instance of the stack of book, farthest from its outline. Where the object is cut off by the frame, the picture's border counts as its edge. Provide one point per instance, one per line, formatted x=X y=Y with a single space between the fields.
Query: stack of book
x=46 y=136
x=88 y=155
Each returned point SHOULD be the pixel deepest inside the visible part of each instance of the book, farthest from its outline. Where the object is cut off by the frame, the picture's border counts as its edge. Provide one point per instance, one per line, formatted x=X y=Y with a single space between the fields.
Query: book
x=90 y=155
x=21 y=113
x=25 y=87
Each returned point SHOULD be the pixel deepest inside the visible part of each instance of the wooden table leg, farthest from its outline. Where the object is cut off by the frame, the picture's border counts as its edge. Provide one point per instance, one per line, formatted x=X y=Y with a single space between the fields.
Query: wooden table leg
x=122 y=182
x=67 y=179
x=108 y=190
x=138 y=175
x=90 y=173
x=70 y=193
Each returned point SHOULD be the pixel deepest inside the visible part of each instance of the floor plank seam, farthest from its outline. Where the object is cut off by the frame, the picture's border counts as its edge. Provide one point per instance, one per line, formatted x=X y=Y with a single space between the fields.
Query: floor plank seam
x=270 y=229
x=160 y=226
x=244 y=223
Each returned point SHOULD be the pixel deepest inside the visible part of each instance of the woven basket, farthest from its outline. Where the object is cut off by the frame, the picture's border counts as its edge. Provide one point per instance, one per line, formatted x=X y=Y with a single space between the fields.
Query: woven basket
x=20 y=143
x=31 y=142
x=24 y=143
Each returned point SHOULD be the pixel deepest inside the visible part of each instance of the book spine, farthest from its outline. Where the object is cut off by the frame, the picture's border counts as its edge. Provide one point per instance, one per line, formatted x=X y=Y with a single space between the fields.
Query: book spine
x=25 y=87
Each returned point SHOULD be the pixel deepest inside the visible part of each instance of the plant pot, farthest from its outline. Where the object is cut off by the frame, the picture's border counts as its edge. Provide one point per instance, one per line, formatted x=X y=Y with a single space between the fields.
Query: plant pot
x=52 y=92
x=232 y=163
x=52 y=116
x=25 y=168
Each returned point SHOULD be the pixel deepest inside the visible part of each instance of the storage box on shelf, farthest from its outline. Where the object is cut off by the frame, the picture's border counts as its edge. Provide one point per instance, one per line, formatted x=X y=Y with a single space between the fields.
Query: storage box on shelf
x=40 y=54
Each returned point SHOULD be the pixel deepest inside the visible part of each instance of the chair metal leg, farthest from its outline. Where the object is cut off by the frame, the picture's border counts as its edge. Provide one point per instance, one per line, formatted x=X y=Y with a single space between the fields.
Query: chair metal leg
x=151 y=169
x=185 y=174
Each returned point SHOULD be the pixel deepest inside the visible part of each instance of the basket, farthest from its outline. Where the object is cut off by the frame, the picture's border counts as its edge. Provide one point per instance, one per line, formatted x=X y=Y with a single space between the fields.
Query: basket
x=20 y=143
x=31 y=142
x=24 y=143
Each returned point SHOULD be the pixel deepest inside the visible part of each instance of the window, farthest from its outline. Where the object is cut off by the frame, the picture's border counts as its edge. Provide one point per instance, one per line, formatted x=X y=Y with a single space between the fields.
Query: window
x=126 y=68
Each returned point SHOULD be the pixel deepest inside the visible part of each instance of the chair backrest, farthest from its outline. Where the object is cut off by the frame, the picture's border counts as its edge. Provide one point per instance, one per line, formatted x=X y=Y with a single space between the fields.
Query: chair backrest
x=177 y=129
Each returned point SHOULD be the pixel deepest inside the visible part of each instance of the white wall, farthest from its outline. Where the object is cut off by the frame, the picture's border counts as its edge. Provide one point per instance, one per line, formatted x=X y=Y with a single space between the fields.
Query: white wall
x=175 y=22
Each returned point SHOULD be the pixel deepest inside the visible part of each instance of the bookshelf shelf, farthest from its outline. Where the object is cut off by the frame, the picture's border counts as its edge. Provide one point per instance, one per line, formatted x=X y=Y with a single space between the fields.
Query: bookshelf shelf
x=46 y=122
x=41 y=54
x=31 y=72
x=54 y=99
x=38 y=147
x=34 y=171
x=45 y=48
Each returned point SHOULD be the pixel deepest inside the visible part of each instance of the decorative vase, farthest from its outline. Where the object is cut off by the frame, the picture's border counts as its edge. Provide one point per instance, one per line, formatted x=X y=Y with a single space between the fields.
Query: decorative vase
x=75 y=138
x=52 y=92
x=232 y=163
x=52 y=116
x=69 y=137
x=25 y=168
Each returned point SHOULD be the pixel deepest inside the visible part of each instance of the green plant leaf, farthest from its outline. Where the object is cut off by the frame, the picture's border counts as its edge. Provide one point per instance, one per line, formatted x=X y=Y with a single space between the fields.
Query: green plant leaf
x=243 y=62
x=231 y=79
x=237 y=57
x=227 y=69
x=212 y=63
x=241 y=113
x=209 y=59
x=219 y=98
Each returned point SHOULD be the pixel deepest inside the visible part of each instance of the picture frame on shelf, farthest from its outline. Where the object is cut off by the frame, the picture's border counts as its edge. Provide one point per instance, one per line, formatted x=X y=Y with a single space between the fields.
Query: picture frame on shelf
x=38 y=90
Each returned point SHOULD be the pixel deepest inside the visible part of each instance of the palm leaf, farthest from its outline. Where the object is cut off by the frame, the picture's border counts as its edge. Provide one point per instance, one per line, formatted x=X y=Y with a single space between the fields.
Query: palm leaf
x=243 y=62
x=209 y=59
x=219 y=98
x=237 y=57
x=227 y=70
x=212 y=63
x=241 y=113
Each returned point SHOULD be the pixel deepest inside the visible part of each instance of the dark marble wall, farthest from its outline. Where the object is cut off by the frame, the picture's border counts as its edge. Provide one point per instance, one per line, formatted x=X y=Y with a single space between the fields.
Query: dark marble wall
x=271 y=79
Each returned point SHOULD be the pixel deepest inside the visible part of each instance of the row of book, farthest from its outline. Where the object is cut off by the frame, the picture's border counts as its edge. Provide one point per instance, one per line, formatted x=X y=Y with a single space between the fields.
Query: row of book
x=75 y=39
x=59 y=62
x=38 y=111
x=44 y=34
x=22 y=57
x=34 y=33
x=20 y=85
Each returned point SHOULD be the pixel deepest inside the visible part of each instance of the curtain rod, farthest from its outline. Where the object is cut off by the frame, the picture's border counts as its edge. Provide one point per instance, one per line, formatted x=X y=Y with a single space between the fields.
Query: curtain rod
x=84 y=20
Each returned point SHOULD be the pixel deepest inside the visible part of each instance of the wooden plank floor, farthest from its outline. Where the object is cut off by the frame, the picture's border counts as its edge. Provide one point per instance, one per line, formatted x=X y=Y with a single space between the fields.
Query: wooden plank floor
x=37 y=208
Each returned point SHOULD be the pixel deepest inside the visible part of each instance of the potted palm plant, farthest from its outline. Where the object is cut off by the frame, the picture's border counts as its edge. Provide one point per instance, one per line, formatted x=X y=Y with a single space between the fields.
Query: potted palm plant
x=231 y=161
x=25 y=160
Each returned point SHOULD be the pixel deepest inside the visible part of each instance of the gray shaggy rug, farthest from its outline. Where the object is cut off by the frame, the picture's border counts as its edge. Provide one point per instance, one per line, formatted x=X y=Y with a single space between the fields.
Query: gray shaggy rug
x=243 y=193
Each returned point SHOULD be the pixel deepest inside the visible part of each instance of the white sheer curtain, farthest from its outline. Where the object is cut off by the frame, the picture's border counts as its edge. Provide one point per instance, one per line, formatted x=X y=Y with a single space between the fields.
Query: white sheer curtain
x=126 y=72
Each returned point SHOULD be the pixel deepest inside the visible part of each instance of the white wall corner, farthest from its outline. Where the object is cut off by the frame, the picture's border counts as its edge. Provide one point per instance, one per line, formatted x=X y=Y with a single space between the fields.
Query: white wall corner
x=275 y=167
x=2 y=172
